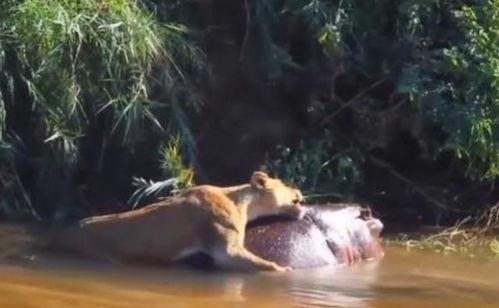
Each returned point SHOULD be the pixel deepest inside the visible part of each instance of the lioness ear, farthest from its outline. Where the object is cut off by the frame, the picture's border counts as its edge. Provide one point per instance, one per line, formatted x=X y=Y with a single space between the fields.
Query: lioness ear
x=259 y=179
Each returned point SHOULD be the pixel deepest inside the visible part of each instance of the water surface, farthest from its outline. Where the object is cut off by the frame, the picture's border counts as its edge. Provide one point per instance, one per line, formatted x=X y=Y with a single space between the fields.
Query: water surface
x=401 y=279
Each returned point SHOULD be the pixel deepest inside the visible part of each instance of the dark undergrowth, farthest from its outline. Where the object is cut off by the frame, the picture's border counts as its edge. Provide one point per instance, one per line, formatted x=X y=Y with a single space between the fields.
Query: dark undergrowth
x=106 y=105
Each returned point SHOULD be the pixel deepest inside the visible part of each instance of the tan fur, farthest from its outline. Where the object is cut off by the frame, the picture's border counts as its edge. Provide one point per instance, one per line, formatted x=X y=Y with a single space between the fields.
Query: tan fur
x=206 y=219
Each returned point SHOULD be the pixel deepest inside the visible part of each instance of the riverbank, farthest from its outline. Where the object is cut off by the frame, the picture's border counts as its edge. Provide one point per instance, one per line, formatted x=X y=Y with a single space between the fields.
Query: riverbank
x=475 y=237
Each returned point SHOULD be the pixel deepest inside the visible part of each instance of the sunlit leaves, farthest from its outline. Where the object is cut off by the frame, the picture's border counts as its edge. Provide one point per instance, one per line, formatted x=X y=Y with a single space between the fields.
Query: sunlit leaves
x=456 y=84
x=178 y=175
x=89 y=67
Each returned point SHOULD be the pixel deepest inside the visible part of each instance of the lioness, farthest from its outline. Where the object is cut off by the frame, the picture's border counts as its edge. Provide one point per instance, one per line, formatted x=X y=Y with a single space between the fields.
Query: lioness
x=206 y=218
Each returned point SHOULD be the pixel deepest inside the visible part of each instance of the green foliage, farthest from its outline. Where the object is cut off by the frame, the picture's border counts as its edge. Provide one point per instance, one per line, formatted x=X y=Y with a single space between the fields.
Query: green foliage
x=179 y=177
x=86 y=48
x=172 y=163
x=101 y=82
x=318 y=172
x=442 y=56
x=84 y=71
x=396 y=73
x=432 y=54
x=453 y=78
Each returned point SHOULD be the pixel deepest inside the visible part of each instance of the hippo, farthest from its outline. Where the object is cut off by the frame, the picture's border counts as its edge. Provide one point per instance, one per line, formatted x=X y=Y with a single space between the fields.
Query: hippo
x=330 y=234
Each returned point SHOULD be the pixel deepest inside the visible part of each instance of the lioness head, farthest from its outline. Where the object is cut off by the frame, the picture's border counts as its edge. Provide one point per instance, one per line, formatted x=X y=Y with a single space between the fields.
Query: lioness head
x=272 y=197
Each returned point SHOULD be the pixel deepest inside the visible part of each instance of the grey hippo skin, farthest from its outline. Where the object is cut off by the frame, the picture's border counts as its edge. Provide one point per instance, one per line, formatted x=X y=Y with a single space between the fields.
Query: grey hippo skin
x=328 y=235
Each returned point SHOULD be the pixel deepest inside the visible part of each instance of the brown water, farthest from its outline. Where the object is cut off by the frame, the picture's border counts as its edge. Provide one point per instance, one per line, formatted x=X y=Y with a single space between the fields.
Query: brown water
x=402 y=279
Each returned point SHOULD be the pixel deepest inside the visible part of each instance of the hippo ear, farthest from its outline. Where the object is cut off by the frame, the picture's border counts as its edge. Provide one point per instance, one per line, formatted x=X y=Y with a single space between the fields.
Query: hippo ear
x=259 y=180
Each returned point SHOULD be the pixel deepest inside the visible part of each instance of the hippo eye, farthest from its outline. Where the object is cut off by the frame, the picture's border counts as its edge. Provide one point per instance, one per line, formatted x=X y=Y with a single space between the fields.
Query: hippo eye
x=296 y=201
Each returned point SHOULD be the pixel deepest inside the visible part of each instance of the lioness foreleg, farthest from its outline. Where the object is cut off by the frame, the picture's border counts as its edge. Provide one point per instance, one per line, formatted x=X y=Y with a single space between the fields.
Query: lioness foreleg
x=239 y=258
x=228 y=252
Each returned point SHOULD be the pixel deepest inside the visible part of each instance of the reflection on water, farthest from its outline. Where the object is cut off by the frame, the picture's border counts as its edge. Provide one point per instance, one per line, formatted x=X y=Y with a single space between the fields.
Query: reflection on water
x=402 y=279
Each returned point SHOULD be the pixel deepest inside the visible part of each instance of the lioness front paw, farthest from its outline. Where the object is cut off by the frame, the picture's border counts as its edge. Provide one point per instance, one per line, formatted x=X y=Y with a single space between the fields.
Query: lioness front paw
x=283 y=268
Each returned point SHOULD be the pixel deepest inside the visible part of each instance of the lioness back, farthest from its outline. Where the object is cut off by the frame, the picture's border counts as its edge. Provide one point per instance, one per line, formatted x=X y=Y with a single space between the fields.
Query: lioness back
x=205 y=218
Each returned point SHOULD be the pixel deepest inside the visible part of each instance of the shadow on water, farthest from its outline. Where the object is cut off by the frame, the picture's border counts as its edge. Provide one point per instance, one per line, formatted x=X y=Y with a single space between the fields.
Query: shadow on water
x=401 y=279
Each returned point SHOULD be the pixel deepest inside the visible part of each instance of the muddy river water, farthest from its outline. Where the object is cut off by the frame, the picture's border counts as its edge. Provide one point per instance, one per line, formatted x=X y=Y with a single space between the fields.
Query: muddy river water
x=401 y=279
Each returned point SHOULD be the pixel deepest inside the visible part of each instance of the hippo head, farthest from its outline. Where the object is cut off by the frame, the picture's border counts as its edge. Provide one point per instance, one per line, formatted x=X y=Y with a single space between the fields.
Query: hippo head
x=328 y=234
x=350 y=231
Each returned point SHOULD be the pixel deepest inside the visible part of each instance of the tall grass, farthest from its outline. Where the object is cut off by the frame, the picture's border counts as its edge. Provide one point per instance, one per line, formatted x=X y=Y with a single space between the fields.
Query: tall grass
x=85 y=71
x=76 y=48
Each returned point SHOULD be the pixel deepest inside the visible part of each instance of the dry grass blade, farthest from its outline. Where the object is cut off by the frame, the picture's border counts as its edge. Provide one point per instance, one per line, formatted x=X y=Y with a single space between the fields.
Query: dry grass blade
x=472 y=237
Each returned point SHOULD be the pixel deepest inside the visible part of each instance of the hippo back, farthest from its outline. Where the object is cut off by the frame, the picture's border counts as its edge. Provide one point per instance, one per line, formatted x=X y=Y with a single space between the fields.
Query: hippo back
x=295 y=243
x=328 y=235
